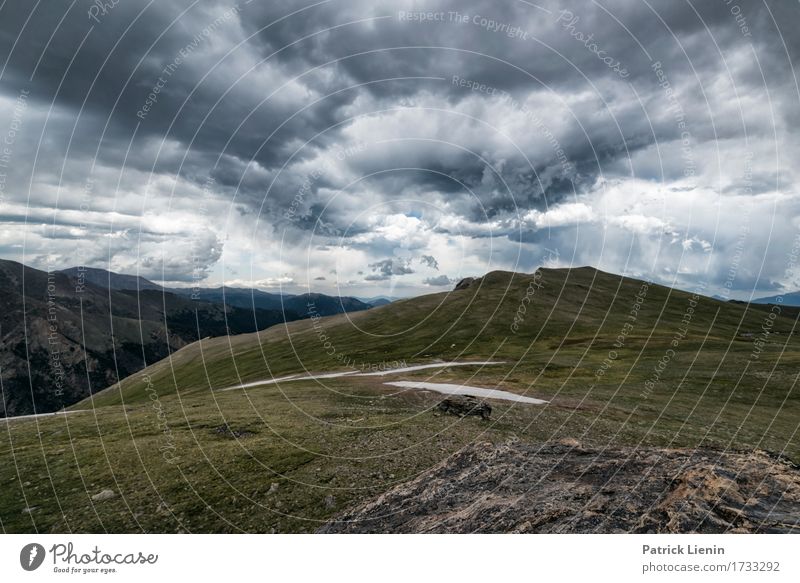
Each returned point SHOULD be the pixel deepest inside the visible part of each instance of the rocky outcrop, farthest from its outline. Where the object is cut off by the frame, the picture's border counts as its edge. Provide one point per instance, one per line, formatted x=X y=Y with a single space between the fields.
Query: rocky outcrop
x=464 y=283
x=564 y=488
x=461 y=406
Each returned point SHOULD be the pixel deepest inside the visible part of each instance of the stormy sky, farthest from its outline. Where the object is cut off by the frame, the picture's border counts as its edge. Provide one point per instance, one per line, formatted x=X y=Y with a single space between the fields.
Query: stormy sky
x=390 y=148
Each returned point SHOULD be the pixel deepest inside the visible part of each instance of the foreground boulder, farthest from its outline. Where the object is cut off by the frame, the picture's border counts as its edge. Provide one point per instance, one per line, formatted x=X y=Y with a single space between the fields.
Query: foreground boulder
x=563 y=488
x=461 y=406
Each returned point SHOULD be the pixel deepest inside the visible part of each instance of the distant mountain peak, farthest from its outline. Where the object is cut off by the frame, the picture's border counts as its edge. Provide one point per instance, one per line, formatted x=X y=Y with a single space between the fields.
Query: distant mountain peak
x=109 y=279
x=787 y=299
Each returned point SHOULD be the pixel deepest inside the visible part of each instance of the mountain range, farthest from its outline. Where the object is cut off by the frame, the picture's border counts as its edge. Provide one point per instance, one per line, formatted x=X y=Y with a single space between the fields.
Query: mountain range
x=302 y=305
x=787 y=299
x=298 y=304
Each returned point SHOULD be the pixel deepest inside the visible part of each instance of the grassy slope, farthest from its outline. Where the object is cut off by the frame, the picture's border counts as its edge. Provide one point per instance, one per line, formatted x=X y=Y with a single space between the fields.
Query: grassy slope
x=328 y=446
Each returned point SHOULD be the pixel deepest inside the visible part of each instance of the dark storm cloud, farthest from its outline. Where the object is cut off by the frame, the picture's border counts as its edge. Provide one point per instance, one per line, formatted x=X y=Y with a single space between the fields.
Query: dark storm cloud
x=386 y=268
x=144 y=65
x=439 y=280
x=118 y=62
x=471 y=48
x=593 y=143
x=430 y=261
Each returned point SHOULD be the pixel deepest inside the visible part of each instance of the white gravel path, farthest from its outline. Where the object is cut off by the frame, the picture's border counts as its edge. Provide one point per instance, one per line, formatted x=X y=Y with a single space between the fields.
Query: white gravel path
x=451 y=389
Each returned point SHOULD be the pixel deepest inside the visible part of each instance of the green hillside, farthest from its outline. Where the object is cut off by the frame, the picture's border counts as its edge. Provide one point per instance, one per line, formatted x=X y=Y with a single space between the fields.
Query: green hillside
x=620 y=361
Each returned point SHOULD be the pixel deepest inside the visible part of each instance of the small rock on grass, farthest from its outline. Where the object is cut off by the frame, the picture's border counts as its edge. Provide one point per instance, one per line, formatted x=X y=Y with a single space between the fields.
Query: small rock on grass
x=106 y=494
x=569 y=442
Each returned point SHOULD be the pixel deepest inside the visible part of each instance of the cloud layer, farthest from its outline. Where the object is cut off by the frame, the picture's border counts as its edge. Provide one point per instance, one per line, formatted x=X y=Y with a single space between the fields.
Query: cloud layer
x=371 y=147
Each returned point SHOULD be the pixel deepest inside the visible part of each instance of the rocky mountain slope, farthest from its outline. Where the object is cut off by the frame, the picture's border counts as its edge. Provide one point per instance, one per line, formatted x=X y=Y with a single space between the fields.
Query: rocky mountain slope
x=69 y=333
x=62 y=338
x=565 y=488
x=109 y=279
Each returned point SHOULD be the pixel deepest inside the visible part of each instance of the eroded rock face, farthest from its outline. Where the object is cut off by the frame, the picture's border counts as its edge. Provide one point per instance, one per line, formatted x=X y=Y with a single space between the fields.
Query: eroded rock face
x=563 y=488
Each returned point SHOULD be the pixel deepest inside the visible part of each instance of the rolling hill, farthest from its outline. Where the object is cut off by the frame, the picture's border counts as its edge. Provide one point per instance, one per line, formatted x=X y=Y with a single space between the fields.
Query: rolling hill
x=617 y=364
x=576 y=316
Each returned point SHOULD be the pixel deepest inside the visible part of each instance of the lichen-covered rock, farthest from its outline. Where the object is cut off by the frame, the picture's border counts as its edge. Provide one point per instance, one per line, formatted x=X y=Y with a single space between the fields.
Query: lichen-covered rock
x=561 y=488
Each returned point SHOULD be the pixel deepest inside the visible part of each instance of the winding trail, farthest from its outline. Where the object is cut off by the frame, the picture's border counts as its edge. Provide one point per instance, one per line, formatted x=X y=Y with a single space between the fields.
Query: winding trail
x=354 y=373
x=39 y=415
x=445 y=388
x=451 y=389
